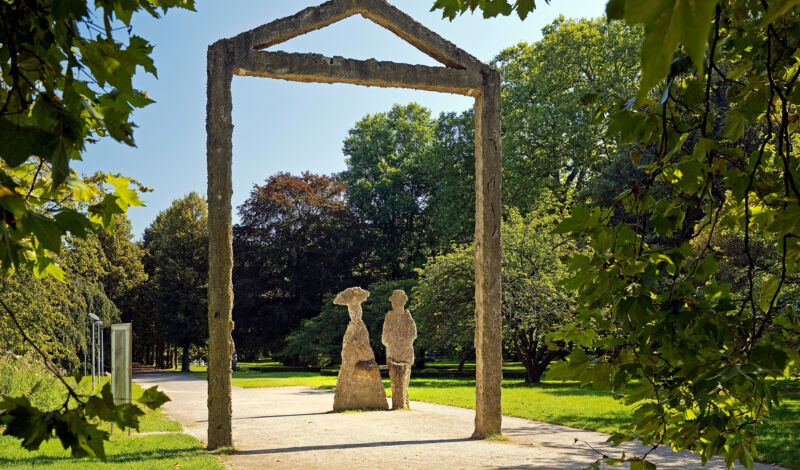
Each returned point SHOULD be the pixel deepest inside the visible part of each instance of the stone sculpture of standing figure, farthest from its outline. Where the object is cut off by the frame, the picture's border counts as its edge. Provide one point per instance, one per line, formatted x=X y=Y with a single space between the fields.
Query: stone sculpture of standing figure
x=399 y=333
x=359 y=383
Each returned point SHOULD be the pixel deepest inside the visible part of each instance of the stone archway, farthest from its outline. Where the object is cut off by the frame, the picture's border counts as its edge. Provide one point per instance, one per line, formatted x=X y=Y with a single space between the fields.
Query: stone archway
x=461 y=74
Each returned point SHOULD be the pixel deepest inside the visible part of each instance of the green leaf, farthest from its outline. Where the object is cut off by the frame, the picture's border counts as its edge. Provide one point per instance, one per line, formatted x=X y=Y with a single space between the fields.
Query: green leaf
x=575 y=223
x=22 y=420
x=152 y=398
x=27 y=142
x=615 y=9
x=668 y=24
x=638 y=464
x=72 y=221
x=127 y=196
x=46 y=231
x=778 y=8
x=734 y=128
x=524 y=7
x=767 y=291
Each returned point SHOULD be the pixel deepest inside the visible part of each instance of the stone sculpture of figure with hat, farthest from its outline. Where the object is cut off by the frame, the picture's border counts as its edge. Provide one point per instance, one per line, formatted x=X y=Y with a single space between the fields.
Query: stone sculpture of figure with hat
x=359 y=383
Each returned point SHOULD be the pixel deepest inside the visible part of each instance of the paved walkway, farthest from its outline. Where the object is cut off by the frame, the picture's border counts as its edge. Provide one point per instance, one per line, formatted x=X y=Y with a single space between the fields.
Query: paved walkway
x=291 y=427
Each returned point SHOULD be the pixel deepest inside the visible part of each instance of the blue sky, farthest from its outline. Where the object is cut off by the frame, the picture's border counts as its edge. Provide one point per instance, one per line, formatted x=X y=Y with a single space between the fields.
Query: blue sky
x=279 y=125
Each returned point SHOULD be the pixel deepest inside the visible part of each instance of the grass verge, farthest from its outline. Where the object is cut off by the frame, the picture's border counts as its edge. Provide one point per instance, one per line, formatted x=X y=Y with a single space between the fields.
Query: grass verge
x=167 y=451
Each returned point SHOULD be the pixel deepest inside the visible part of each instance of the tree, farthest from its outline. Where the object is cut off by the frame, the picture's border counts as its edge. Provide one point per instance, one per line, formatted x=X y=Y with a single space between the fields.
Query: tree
x=125 y=271
x=553 y=138
x=705 y=355
x=533 y=304
x=64 y=81
x=385 y=183
x=298 y=239
x=177 y=262
x=58 y=322
x=443 y=303
x=448 y=170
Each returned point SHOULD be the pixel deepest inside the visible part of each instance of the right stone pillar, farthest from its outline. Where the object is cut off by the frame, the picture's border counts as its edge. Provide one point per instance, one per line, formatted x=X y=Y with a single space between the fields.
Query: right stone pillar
x=488 y=256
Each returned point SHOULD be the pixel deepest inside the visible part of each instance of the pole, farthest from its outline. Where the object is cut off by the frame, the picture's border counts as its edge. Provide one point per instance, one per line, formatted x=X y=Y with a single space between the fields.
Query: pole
x=102 y=356
x=93 y=357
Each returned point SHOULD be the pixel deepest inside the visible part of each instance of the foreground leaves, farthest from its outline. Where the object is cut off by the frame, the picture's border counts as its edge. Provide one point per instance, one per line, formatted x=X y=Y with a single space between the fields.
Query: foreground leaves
x=688 y=297
x=78 y=428
x=65 y=81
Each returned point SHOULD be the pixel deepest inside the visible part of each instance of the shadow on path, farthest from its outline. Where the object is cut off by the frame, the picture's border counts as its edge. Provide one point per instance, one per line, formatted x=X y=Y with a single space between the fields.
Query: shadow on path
x=350 y=446
x=273 y=416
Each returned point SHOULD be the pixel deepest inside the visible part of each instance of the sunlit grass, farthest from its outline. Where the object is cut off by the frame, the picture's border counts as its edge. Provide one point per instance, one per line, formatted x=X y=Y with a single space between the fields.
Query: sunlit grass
x=142 y=452
x=137 y=452
x=251 y=379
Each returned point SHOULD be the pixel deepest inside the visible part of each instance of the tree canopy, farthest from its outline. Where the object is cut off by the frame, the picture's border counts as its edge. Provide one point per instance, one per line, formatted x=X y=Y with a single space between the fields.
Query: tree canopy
x=533 y=304
x=177 y=263
x=298 y=240
x=554 y=138
x=385 y=184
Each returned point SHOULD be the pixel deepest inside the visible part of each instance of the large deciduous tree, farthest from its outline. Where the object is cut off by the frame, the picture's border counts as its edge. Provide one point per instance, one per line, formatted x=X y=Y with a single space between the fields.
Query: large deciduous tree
x=386 y=185
x=448 y=170
x=533 y=304
x=177 y=262
x=554 y=137
x=298 y=239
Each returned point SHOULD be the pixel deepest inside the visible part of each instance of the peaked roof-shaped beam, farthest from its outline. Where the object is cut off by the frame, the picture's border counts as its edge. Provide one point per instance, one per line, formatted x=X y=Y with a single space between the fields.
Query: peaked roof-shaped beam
x=378 y=11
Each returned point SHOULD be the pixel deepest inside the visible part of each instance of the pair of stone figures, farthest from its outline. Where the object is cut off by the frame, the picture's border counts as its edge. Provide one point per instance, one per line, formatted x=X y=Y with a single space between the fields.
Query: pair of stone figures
x=359 y=383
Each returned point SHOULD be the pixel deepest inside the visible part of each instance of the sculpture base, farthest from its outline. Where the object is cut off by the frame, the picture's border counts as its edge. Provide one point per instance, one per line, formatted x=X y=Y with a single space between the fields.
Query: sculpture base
x=400 y=375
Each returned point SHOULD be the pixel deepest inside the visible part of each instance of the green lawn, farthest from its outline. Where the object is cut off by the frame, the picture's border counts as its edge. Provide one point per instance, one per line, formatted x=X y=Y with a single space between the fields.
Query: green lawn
x=144 y=452
x=248 y=379
x=552 y=402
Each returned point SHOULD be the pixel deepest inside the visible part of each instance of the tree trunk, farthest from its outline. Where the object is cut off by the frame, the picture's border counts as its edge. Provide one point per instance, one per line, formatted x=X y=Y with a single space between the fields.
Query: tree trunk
x=466 y=354
x=533 y=371
x=185 y=360
x=159 y=356
x=419 y=359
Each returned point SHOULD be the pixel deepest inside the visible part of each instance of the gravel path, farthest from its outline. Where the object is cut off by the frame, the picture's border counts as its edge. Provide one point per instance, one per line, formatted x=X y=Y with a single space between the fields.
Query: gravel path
x=292 y=427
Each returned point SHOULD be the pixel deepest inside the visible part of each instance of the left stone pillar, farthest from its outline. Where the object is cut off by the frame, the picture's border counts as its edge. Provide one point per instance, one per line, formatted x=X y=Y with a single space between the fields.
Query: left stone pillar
x=219 y=150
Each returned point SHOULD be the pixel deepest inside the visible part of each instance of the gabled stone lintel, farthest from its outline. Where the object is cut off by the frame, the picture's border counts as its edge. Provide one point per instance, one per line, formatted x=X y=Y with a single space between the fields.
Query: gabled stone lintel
x=378 y=11
x=321 y=69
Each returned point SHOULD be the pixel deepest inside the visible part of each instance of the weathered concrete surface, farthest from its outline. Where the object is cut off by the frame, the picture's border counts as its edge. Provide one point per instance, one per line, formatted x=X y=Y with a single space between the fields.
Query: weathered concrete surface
x=219 y=149
x=358 y=385
x=488 y=256
x=399 y=377
x=318 y=68
x=291 y=427
x=378 y=11
x=399 y=333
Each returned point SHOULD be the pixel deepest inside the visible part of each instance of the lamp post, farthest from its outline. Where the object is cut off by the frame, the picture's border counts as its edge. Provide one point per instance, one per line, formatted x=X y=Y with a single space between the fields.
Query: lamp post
x=98 y=325
x=95 y=321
